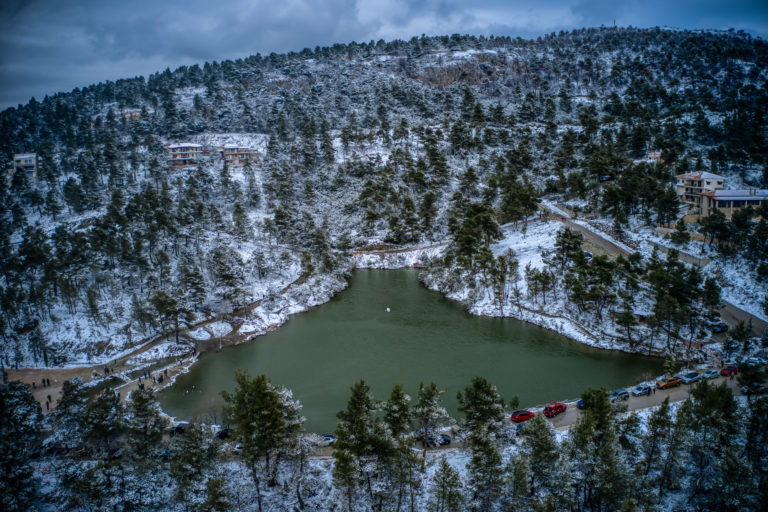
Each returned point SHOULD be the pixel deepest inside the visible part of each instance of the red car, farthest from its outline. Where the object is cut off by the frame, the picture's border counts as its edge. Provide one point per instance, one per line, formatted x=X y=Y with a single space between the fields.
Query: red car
x=729 y=370
x=554 y=409
x=522 y=415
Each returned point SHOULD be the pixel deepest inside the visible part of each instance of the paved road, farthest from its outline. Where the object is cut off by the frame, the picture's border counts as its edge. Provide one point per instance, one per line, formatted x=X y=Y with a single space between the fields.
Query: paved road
x=730 y=313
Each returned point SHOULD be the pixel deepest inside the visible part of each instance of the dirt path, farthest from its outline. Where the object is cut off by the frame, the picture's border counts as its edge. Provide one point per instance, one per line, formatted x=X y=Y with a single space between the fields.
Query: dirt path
x=120 y=366
x=636 y=403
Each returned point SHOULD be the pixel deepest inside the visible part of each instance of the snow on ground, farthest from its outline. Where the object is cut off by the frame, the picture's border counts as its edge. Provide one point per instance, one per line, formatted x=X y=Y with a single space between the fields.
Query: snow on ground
x=392 y=260
x=219 y=329
x=199 y=334
x=528 y=243
x=168 y=349
x=736 y=276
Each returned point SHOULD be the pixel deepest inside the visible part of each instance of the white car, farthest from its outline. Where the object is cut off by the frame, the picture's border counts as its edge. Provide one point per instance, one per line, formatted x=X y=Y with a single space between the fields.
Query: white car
x=691 y=377
x=711 y=374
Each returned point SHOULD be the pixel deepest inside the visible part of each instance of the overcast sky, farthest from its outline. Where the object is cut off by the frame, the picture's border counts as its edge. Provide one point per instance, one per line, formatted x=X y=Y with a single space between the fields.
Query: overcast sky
x=47 y=46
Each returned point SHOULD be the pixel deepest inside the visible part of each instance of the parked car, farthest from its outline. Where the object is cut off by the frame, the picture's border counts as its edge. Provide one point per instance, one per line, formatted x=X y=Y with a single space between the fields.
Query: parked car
x=731 y=369
x=711 y=374
x=711 y=322
x=721 y=327
x=668 y=382
x=179 y=428
x=580 y=404
x=691 y=377
x=223 y=434
x=619 y=394
x=441 y=440
x=554 y=409
x=521 y=415
x=329 y=439
x=642 y=389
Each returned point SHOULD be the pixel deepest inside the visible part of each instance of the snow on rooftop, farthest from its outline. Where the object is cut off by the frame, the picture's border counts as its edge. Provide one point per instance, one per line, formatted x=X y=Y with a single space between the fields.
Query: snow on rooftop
x=700 y=175
x=184 y=145
x=737 y=194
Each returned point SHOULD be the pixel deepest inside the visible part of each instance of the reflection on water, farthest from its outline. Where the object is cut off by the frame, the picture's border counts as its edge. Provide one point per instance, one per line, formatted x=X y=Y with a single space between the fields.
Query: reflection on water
x=423 y=337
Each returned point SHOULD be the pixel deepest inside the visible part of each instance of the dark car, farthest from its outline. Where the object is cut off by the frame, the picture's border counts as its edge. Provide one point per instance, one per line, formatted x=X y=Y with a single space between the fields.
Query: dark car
x=619 y=394
x=721 y=327
x=729 y=370
x=179 y=428
x=554 y=409
x=580 y=404
x=521 y=415
x=223 y=433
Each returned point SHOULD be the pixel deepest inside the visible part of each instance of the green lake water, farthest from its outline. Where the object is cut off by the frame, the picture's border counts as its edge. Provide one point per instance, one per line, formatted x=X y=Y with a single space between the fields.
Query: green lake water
x=319 y=354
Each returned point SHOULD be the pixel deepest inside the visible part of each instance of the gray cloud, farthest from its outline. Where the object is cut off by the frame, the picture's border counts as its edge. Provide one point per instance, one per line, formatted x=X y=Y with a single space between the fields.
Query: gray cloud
x=48 y=46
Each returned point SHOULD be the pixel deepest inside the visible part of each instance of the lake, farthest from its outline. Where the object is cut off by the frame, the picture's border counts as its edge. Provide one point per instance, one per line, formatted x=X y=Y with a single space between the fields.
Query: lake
x=424 y=337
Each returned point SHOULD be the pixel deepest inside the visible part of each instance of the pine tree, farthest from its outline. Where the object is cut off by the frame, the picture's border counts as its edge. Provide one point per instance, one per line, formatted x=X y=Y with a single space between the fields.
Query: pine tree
x=486 y=471
x=446 y=491
x=429 y=413
x=397 y=414
x=143 y=424
x=190 y=458
x=267 y=420
x=19 y=424
x=538 y=441
x=482 y=405
x=680 y=236
x=103 y=420
x=215 y=496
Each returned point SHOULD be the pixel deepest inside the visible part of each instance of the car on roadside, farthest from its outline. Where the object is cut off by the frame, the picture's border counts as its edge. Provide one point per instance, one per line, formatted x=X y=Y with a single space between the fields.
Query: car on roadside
x=223 y=434
x=554 y=409
x=619 y=394
x=711 y=374
x=329 y=439
x=580 y=404
x=691 y=377
x=521 y=415
x=179 y=428
x=731 y=369
x=719 y=328
x=641 y=389
x=439 y=440
x=668 y=382
x=711 y=322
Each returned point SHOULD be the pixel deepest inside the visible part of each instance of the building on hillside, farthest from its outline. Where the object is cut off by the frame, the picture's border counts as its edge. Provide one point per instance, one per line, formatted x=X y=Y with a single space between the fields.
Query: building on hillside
x=184 y=154
x=691 y=185
x=728 y=201
x=236 y=156
x=26 y=163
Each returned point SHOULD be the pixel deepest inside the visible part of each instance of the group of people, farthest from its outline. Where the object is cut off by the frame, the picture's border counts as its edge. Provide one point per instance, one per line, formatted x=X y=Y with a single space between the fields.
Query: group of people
x=45 y=383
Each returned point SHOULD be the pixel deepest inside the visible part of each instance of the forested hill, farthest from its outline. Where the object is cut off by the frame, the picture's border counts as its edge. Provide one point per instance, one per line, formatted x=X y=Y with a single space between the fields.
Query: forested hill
x=395 y=142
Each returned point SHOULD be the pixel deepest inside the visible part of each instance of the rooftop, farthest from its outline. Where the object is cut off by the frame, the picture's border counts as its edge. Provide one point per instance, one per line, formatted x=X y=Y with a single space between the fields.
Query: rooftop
x=184 y=145
x=25 y=155
x=737 y=194
x=700 y=175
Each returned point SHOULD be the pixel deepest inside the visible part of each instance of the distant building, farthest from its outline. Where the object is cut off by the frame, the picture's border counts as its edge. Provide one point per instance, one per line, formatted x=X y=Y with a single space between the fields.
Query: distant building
x=729 y=201
x=654 y=156
x=26 y=163
x=236 y=156
x=184 y=154
x=691 y=185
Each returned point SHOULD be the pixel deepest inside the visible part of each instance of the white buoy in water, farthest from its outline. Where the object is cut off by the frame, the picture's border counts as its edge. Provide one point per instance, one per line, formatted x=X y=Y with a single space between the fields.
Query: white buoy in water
x=387 y=310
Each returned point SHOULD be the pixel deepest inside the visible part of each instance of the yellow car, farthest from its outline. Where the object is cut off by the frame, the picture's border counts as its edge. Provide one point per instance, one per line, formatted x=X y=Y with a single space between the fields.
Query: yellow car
x=668 y=382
